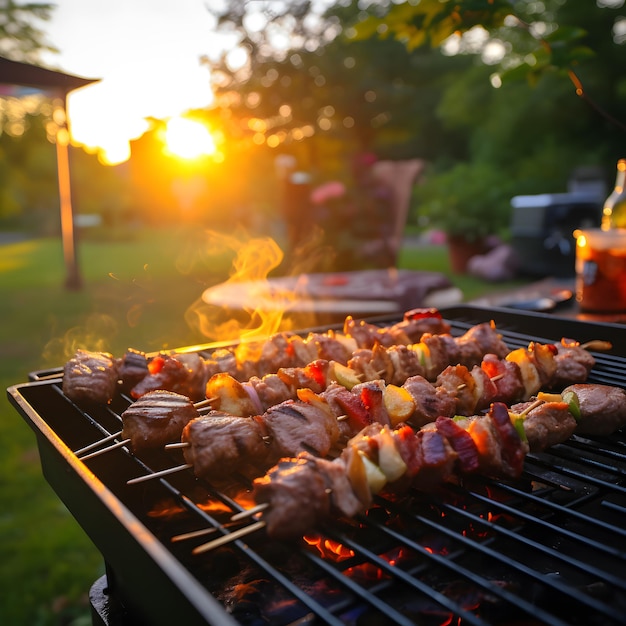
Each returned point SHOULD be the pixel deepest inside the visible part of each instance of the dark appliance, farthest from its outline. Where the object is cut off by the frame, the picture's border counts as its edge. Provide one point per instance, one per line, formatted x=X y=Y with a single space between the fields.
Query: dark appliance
x=549 y=548
x=542 y=229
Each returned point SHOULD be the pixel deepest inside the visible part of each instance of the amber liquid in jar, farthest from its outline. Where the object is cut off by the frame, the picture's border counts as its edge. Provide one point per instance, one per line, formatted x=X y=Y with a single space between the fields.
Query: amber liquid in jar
x=601 y=270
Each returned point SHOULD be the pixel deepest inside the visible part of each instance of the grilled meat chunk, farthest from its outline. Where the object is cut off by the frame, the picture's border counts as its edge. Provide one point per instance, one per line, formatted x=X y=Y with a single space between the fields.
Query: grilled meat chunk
x=479 y=340
x=430 y=401
x=182 y=373
x=547 y=424
x=133 y=368
x=602 y=408
x=297 y=495
x=157 y=418
x=573 y=364
x=220 y=445
x=90 y=377
x=270 y=390
x=297 y=426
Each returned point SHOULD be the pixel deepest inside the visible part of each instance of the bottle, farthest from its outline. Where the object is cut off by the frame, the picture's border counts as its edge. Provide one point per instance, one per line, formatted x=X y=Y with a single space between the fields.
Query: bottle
x=614 y=209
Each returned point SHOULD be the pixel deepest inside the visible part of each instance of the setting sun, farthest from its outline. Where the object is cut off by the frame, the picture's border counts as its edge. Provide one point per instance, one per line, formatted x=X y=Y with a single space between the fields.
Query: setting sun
x=188 y=139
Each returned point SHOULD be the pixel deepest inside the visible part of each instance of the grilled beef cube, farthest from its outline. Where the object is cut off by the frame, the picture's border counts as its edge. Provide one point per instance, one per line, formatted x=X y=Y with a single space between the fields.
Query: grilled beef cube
x=329 y=348
x=157 y=418
x=416 y=322
x=405 y=364
x=438 y=460
x=485 y=436
x=513 y=450
x=222 y=360
x=133 y=368
x=366 y=335
x=342 y=496
x=297 y=496
x=507 y=377
x=442 y=351
x=303 y=351
x=573 y=364
x=182 y=373
x=460 y=385
x=313 y=376
x=90 y=377
x=461 y=441
x=297 y=426
x=362 y=363
x=221 y=444
x=602 y=408
x=271 y=390
x=430 y=401
x=275 y=353
x=479 y=340
x=547 y=424
x=371 y=395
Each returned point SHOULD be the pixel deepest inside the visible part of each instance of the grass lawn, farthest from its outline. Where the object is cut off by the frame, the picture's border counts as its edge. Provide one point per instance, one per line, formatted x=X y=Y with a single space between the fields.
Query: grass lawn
x=136 y=293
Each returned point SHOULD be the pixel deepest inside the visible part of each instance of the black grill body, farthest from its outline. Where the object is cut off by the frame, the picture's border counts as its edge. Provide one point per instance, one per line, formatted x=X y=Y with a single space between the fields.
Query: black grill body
x=549 y=548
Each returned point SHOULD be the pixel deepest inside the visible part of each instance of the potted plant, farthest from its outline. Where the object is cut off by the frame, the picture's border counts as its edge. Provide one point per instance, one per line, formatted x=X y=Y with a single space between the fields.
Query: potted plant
x=470 y=203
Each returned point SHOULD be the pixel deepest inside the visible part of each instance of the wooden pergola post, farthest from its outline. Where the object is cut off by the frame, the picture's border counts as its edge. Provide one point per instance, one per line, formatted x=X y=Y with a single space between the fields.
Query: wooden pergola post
x=32 y=76
x=73 y=278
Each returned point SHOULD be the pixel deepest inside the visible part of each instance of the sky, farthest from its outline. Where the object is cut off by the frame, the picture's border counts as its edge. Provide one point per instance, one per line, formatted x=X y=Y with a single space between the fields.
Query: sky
x=147 y=55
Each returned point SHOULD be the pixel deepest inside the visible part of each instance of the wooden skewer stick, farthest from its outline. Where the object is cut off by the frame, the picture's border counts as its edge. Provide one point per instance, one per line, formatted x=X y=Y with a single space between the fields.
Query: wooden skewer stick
x=530 y=407
x=193 y=534
x=250 y=512
x=341 y=418
x=177 y=444
x=117 y=444
x=165 y=472
x=497 y=377
x=201 y=404
x=597 y=344
x=224 y=539
x=96 y=444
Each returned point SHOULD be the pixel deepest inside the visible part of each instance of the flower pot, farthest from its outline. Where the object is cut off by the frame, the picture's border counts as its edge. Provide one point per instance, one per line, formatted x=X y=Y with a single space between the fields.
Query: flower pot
x=461 y=250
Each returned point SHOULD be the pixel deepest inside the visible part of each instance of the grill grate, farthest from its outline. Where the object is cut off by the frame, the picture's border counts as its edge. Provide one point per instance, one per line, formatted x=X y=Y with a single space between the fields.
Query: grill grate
x=549 y=548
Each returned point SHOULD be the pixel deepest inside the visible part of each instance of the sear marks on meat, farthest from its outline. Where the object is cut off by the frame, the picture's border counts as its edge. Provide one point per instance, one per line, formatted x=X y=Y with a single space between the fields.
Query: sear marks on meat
x=297 y=497
x=297 y=426
x=602 y=408
x=547 y=424
x=182 y=373
x=221 y=444
x=133 y=368
x=157 y=418
x=430 y=401
x=90 y=377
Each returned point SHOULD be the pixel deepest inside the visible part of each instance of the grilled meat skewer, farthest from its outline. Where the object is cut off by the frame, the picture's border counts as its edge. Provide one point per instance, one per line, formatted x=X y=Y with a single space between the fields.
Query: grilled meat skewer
x=423 y=459
x=91 y=376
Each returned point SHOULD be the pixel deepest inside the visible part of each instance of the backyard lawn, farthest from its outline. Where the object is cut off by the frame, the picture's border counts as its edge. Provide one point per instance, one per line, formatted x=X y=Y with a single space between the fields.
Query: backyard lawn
x=136 y=293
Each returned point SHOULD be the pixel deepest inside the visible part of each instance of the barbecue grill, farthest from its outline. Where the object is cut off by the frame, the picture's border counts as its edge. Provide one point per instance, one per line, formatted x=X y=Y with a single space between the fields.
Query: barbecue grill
x=549 y=548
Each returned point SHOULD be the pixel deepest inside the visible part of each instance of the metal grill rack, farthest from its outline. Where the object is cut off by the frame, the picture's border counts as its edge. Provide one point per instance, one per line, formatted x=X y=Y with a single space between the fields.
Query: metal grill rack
x=549 y=548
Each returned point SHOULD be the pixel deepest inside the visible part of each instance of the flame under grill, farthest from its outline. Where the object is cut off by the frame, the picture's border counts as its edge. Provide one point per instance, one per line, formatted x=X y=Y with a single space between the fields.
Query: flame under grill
x=549 y=548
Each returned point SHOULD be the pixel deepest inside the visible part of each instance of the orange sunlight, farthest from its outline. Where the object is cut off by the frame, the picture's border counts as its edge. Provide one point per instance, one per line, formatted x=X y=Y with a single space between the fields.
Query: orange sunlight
x=188 y=139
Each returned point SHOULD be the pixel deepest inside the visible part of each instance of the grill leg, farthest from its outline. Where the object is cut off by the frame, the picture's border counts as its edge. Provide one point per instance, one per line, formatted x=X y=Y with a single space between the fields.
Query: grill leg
x=106 y=610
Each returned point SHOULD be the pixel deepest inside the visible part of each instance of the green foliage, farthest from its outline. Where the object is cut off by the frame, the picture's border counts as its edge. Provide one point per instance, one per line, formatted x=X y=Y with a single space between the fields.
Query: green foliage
x=472 y=200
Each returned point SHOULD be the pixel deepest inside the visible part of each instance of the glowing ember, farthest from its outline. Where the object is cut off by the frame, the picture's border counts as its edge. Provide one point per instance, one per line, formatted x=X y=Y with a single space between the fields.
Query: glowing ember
x=330 y=549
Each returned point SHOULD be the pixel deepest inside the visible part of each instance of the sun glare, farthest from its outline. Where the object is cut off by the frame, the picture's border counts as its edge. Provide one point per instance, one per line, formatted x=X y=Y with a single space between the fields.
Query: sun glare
x=188 y=139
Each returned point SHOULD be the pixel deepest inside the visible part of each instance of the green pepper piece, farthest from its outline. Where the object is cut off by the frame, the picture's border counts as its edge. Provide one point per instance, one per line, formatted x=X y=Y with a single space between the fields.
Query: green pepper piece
x=573 y=404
